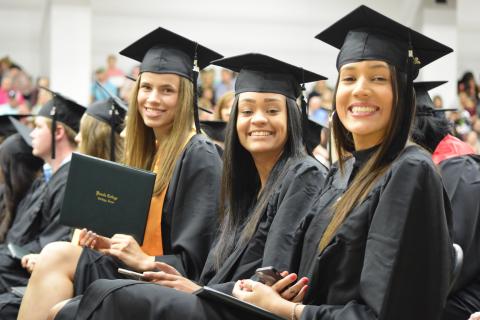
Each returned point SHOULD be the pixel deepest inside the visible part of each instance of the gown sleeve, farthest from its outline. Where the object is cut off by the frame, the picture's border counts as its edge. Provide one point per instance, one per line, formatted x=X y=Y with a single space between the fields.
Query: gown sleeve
x=408 y=257
x=190 y=211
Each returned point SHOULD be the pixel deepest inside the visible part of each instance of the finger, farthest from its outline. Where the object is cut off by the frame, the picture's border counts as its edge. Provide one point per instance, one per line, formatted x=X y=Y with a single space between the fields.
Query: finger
x=300 y=295
x=280 y=285
x=284 y=273
x=160 y=276
x=166 y=268
x=248 y=284
x=291 y=292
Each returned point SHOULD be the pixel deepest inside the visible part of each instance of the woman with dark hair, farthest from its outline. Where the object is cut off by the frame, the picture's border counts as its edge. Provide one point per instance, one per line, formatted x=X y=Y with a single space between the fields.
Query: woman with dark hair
x=269 y=183
x=19 y=169
x=460 y=170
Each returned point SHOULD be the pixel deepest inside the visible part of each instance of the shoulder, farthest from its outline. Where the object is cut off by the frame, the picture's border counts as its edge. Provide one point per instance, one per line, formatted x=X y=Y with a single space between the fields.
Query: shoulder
x=201 y=144
x=413 y=162
x=307 y=164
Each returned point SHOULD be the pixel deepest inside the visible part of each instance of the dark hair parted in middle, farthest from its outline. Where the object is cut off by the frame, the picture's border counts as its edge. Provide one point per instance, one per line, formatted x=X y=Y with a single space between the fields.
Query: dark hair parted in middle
x=240 y=197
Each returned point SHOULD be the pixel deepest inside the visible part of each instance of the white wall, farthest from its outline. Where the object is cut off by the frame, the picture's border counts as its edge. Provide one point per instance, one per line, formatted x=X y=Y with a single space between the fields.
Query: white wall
x=282 y=28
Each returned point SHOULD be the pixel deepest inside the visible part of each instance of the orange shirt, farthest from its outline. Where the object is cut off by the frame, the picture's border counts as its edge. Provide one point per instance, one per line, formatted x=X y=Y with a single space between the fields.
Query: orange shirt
x=152 y=240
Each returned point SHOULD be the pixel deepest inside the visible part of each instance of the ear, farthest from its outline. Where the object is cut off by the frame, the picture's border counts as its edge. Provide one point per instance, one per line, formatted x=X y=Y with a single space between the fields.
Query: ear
x=59 y=132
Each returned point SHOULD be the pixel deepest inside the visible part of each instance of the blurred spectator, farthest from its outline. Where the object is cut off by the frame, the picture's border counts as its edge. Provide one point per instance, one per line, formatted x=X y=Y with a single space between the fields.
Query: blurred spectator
x=314 y=103
x=205 y=101
x=39 y=97
x=206 y=79
x=472 y=140
x=4 y=66
x=114 y=74
x=467 y=103
x=319 y=89
x=97 y=92
x=224 y=107
x=438 y=102
x=11 y=100
x=227 y=83
x=468 y=85
x=128 y=84
x=21 y=81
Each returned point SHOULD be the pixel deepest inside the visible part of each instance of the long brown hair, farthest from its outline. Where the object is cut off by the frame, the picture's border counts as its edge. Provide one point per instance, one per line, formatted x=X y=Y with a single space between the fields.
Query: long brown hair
x=95 y=139
x=396 y=137
x=141 y=150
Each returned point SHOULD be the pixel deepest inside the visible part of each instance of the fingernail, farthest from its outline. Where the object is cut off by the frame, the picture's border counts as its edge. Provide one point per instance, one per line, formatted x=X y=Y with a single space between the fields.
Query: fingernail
x=305 y=280
x=293 y=276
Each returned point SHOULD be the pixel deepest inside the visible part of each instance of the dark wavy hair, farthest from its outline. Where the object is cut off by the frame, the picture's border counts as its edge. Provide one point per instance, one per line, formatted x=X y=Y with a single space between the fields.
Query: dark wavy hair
x=429 y=130
x=19 y=169
x=240 y=197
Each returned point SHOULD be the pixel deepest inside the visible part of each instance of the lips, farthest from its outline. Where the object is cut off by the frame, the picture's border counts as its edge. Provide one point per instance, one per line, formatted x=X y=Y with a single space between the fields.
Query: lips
x=259 y=133
x=362 y=109
x=153 y=112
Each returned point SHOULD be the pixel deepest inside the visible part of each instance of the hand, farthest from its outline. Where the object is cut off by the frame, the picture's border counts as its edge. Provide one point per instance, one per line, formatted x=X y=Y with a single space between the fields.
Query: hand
x=162 y=266
x=174 y=281
x=294 y=293
x=475 y=316
x=265 y=297
x=127 y=249
x=90 y=239
x=29 y=261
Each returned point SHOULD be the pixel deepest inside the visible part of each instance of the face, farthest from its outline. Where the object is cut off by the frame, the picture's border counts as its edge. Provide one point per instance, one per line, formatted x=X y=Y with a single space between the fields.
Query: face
x=157 y=100
x=225 y=112
x=262 y=123
x=364 y=101
x=41 y=138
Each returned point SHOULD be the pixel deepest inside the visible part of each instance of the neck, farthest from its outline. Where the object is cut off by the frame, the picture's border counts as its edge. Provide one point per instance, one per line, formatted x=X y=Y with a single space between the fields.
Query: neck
x=161 y=133
x=362 y=143
x=59 y=158
x=264 y=164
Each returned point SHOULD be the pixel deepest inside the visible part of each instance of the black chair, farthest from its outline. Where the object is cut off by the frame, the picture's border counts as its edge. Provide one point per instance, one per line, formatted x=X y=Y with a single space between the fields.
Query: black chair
x=457 y=265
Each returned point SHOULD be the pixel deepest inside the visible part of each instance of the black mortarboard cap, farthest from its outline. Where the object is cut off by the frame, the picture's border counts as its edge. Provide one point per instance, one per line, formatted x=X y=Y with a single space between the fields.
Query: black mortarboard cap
x=102 y=110
x=261 y=73
x=163 y=51
x=61 y=108
x=365 y=34
x=22 y=129
x=6 y=126
x=214 y=129
x=312 y=138
x=424 y=103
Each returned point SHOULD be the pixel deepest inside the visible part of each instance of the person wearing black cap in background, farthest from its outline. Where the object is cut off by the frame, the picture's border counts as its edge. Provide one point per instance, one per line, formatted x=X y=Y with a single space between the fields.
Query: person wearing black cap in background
x=36 y=219
x=270 y=183
x=377 y=244
x=161 y=135
x=460 y=170
x=19 y=169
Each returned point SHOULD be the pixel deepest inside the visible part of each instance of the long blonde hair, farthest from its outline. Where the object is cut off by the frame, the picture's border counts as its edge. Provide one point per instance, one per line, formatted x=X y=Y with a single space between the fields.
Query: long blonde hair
x=95 y=139
x=141 y=148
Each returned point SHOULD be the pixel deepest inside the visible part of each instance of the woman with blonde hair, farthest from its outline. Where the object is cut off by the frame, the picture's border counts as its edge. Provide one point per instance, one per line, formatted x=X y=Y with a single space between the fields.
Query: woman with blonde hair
x=161 y=135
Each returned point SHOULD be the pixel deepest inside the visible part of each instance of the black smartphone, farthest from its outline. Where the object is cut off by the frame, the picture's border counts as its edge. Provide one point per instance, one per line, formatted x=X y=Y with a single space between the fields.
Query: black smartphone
x=268 y=275
x=131 y=274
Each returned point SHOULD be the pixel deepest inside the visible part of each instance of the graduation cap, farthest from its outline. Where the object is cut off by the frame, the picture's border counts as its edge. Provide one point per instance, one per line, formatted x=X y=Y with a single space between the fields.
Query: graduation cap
x=214 y=129
x=314 y=129
x=22 y=129
x=261 y=73
x=61 y=108
x=6 y=126
x=365 y=34
x=163 y=51
x=424 y=103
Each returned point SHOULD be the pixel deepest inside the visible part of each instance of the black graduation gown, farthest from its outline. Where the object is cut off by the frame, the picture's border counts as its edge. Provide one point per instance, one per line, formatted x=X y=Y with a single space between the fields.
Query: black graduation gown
x=189 y=218
x=36 y=224
x=391 y=258
x=461 y=177
x=275 y=243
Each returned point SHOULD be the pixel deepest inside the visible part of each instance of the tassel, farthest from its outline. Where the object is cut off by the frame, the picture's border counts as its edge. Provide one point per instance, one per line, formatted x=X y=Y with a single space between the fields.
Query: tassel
x=112 y=132
x=304 y=117
x=53 y=113
x=196 y=71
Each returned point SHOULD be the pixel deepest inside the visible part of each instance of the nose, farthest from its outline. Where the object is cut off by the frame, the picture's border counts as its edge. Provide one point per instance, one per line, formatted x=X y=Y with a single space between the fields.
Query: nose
x=361 y=88
x=259 y=118
x=153 y=97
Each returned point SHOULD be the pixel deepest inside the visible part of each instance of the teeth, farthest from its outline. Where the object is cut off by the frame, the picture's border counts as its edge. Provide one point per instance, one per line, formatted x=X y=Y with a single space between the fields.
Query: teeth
x=260 y=133
x=361 y=109
x=152 y=109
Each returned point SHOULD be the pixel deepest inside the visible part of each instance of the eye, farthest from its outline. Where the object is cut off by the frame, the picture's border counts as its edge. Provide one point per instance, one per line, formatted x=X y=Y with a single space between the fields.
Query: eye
x=348 y=78
x=145 y=86
x=273 y=110
x=167 y=90
x=245 y=112
x=379 y=78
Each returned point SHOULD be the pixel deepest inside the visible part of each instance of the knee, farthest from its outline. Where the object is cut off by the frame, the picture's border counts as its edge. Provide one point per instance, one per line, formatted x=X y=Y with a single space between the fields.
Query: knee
x=58 y=254
x=52 y=313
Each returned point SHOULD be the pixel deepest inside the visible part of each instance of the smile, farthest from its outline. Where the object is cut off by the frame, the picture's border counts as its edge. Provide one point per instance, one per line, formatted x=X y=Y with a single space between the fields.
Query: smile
x=363 y=109
x=260 y=133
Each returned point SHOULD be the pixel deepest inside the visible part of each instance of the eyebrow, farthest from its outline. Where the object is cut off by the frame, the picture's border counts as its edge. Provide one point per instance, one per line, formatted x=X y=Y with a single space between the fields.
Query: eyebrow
x=250 y=100
x=375 y=66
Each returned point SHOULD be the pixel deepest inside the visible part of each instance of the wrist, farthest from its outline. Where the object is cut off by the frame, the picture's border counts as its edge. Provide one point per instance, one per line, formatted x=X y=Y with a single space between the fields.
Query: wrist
x=148 y=263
